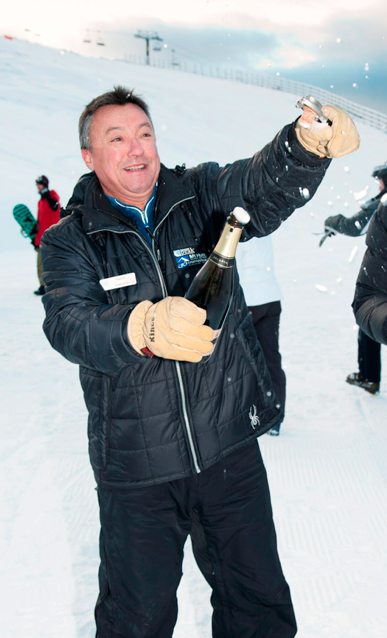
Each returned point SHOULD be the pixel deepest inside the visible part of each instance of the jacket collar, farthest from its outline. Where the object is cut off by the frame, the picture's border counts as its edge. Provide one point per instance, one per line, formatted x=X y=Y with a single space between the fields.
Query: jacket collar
x=98 y=214
x=383 y=192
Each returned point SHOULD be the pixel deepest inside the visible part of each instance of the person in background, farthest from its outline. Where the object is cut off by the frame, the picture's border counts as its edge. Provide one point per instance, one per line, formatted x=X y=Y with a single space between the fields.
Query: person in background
x=263 y=297
x=48 y=214
x=369 y=351
x=370 y=300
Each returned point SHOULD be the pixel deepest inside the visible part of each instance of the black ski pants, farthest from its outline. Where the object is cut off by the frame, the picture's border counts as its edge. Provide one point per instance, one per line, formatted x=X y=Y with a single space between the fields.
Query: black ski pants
x=369 y=357
x=266 y=319
x=227 y=511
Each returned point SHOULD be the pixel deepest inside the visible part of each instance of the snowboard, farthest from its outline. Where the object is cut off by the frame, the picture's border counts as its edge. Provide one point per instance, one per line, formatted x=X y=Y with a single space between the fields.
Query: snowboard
x=25 y=219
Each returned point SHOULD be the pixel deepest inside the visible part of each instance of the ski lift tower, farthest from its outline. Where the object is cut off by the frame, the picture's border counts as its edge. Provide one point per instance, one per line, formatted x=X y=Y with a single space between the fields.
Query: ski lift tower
x=148 y=36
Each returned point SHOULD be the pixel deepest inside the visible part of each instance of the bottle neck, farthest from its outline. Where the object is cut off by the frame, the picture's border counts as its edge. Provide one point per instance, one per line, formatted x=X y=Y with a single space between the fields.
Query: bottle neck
x=227 y=244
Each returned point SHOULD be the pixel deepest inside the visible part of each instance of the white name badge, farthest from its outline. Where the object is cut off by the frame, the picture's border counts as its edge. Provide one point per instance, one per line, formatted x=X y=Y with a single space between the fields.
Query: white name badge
x=129 y=279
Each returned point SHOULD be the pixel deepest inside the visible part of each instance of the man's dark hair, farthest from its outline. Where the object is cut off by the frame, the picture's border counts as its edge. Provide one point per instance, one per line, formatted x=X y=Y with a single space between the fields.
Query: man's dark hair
x=120 y=96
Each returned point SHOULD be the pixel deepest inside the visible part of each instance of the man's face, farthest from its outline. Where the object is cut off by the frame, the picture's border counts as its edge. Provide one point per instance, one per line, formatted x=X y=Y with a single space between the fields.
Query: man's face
x=381 y=184
x=40 y=187
x=123 y=153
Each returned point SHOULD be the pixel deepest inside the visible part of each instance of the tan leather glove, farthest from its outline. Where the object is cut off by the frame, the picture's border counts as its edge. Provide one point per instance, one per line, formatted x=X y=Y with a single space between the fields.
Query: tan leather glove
x=329 y=141
x=172 y=329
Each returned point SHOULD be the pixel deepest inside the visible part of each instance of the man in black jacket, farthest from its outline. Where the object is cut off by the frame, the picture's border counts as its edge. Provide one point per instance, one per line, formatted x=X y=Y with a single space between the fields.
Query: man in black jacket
x=172 y=438
x=369 y=359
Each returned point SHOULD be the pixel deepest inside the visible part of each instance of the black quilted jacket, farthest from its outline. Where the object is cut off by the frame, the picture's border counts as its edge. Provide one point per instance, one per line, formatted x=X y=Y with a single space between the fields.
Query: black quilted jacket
x=154 y=420
x=370 y=302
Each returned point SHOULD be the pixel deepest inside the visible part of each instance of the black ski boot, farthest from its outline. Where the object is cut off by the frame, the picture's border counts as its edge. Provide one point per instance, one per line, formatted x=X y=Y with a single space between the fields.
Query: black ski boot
x=370 y=386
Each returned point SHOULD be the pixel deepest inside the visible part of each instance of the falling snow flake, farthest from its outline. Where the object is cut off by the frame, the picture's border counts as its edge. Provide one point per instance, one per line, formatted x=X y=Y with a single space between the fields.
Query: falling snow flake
x=352 y=255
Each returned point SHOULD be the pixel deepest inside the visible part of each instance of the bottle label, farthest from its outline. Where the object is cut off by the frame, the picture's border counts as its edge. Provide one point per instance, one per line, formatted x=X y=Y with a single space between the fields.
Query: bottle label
x=222 y=262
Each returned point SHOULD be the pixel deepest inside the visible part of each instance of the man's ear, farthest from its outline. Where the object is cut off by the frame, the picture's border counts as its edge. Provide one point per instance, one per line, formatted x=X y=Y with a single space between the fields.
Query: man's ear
x=87 y=158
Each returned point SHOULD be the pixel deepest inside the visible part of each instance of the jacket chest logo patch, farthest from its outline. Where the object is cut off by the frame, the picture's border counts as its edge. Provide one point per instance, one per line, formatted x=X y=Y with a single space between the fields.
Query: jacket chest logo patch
x=189 y=257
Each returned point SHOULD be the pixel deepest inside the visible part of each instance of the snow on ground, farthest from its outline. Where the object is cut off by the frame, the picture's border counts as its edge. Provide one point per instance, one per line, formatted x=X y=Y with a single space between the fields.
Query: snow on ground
x=327 y=470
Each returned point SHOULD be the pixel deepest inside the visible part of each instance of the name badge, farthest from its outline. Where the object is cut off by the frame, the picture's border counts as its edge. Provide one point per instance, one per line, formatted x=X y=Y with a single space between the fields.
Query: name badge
x=110 y=283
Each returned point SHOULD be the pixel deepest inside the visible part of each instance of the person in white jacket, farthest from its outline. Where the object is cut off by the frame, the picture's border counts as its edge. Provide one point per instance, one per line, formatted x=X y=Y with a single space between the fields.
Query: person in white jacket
x=263 y=296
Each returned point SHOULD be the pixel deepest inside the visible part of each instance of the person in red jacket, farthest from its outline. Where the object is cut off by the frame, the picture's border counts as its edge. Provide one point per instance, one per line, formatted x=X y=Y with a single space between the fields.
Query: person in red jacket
x=48 y=214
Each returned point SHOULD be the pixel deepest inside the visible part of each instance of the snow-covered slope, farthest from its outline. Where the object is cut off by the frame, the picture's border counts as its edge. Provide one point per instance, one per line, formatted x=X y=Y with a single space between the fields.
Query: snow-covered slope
x=327 y=470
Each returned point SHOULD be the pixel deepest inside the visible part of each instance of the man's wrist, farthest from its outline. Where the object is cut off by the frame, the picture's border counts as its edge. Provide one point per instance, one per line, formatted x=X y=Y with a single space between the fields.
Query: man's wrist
x=297 y=149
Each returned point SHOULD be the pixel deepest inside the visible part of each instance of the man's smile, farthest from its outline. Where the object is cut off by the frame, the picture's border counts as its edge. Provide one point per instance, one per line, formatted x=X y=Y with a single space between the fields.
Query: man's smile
x=140 y=167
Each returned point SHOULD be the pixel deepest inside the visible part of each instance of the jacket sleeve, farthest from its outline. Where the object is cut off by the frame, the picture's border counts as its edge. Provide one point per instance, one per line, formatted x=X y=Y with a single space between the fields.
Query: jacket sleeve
x=355 y=225
x=80 y=323
x=370 y=302
x=278 y=179
x=52 y=199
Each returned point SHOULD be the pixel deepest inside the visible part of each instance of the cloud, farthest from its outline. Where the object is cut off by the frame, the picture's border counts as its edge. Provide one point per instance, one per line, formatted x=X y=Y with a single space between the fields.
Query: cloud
x=327 y=44
x=209 y=45
x=293 y=56
x=351 y=39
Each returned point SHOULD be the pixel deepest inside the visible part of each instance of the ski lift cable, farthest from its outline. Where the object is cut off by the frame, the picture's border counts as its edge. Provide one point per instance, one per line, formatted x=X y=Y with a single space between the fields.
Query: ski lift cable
x=191 y=54
x=182 y=50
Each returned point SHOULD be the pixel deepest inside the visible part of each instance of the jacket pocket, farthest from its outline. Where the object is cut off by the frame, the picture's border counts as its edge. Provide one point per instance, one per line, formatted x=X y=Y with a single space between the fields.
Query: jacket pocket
x=97 y=390
x=253 y=355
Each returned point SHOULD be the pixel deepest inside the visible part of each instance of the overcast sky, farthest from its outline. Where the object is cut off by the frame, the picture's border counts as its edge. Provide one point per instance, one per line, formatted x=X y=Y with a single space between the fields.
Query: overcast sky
x=340 y=45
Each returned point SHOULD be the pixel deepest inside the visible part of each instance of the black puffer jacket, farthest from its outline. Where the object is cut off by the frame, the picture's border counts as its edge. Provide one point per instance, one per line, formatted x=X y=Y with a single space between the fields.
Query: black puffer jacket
x=154 y=420
x=370 y=302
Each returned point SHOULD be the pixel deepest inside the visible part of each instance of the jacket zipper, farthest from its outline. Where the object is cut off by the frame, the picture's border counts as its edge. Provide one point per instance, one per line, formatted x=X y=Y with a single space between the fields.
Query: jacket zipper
x=177 y=364
x=165 y=294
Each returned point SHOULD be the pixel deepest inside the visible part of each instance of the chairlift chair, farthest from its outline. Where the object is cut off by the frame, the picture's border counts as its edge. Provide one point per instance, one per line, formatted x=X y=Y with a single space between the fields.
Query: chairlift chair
x=174 y=61
x=100 y=41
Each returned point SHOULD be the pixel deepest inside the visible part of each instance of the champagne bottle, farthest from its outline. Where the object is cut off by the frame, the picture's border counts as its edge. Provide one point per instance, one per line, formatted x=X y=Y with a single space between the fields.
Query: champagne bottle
x=212 y=287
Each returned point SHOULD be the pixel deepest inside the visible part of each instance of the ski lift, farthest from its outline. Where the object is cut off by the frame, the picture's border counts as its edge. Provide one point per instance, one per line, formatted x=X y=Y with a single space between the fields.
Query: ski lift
x=100 y=41
x=87 y=38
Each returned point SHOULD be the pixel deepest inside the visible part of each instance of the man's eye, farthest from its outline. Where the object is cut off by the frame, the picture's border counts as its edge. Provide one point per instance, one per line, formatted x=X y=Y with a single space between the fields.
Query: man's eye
x=117 y=139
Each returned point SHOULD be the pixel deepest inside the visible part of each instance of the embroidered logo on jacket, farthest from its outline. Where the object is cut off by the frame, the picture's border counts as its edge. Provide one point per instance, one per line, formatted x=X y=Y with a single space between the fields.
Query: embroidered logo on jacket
x=253 y=417
x=189 y=257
